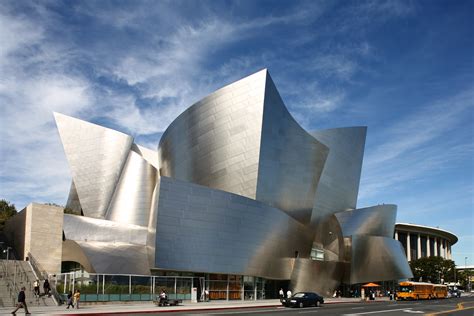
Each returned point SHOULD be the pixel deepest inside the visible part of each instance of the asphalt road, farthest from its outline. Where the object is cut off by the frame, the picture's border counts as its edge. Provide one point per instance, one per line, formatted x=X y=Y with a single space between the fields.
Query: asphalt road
x=386 y=308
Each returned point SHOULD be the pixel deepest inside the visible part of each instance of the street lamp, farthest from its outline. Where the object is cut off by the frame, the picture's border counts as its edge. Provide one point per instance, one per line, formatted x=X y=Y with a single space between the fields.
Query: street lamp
x=8 y=252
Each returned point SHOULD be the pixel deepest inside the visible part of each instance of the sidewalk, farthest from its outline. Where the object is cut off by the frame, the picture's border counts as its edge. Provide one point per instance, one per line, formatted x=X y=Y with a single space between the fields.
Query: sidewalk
x=149 y=307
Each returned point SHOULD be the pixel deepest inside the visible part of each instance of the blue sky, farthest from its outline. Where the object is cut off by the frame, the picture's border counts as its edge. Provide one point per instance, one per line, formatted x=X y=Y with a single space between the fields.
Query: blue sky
x=402 y=68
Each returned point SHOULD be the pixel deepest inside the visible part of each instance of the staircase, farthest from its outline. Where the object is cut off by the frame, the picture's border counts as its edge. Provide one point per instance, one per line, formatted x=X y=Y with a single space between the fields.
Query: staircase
x=15 y=274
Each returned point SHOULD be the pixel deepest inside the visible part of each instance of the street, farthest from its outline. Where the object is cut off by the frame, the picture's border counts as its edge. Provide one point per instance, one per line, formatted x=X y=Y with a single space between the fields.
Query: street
x=388 y=308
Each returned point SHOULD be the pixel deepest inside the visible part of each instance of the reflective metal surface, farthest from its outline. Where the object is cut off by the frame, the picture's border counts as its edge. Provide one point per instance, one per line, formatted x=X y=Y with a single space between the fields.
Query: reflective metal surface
x=375 y=258
x=132 y=200
x=96 y=156
x=207 y=230
x=291 y=160
x=91 y=229
x=73 y=202
x=216 y=142
x=107 y=246
x=321 y=277
x=237 y=187
x=376 y=221
x=339 y=184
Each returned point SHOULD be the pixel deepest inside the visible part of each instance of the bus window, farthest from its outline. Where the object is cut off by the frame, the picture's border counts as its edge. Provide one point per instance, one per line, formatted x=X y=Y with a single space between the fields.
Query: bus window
x=406 y=289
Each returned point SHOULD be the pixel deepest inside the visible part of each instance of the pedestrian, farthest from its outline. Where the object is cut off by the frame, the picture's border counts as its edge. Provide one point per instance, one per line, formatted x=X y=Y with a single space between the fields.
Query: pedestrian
x=21 y=302
x=206 y=295
x=36 y=287
x=288 y=293
x=70 y=300
x=163 y=298
x=77 y=298
x=46 y=287
x=281 y=294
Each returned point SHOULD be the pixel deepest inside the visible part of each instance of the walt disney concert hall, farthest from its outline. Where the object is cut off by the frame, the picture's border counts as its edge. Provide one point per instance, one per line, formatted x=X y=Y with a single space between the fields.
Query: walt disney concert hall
x=236 y=188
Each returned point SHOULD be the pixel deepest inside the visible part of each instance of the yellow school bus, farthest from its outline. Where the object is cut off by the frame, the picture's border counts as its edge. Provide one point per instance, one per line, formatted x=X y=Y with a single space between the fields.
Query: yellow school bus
x=415 y=291
x=440 y=291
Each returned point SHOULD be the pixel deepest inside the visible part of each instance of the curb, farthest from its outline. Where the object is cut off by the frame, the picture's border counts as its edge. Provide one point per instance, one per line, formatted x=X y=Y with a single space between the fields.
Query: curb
x=193 y=309
x=170 y=310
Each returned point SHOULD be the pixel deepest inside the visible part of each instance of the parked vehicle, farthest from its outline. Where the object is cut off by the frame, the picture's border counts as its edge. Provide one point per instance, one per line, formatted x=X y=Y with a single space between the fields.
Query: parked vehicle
x=303 y=299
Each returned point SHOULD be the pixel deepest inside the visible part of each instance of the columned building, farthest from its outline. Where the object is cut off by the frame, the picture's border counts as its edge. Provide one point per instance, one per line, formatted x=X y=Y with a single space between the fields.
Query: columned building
x=423 y=241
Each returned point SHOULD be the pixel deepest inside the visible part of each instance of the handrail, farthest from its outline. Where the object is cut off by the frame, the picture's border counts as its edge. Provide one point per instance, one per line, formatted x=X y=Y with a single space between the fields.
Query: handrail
x=12 y=287
x=38 y=270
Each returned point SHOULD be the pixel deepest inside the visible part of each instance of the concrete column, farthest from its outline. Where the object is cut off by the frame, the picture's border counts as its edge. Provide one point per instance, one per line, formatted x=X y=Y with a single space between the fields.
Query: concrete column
x=418 y=246
x=428 y=251
x=408 y=247
x=436 y=247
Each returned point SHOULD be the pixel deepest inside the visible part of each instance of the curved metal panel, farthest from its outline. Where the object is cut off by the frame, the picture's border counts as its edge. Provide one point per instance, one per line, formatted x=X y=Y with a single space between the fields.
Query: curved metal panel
x=96 y=156
x=376 y=221
x=322 y=277
x=73 y=202
x=375 y=258
x=339 y=183
x=151 y=235
x=291 y=160
x=116 y=257
x=328 y=238
x=149 y=155
x=132 y=200
x=81 y=228
x=216 y=142
x=73 y=252
x=207 y=230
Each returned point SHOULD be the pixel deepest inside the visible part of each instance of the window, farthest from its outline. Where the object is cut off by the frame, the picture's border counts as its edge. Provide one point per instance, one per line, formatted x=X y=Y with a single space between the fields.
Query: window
x=317 y=254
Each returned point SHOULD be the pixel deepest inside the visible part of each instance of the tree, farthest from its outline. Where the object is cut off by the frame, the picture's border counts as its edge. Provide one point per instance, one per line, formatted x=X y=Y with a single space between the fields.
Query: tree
x=7 y=210
x=433 y=269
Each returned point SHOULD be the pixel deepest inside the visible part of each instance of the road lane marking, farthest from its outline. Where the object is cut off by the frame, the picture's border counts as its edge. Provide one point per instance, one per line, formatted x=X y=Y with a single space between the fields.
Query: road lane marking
x=358 y=307
x=306 y=312
x=382 y=311
x=246 y=312
x=450 y=311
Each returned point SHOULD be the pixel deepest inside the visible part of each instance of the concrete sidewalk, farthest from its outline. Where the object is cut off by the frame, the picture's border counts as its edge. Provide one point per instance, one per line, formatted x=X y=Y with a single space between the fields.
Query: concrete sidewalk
x=149 y=307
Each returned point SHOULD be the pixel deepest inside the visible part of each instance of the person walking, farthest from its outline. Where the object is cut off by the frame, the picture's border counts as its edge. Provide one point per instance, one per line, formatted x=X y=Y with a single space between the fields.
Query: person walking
x=36 y=287
x=46 y=287
x=281 y=294
x=21 y=302
x=288 y=293
x=77 y=298
x=70 y=300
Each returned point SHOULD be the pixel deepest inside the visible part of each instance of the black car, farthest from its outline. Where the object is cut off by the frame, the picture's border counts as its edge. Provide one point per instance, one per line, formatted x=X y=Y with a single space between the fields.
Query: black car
x=303 y=299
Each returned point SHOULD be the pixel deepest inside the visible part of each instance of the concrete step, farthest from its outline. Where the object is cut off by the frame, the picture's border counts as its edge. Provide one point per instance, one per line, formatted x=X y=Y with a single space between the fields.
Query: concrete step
x=23 y=275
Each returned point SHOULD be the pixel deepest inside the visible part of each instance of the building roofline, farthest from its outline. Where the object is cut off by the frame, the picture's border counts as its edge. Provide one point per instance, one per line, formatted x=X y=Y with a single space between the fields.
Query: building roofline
x=428 y=229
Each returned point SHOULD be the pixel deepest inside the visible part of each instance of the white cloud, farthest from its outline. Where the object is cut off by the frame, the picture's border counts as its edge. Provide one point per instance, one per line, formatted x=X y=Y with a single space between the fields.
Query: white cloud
x=34 y=83
x=406 y=151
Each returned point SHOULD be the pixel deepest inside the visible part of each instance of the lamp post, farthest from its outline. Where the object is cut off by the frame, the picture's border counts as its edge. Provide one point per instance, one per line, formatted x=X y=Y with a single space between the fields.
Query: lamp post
x=8 y=253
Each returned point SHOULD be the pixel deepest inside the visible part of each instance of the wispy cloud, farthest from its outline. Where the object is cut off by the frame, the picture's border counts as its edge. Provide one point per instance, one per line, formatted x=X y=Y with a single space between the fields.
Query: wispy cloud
x=406 y=150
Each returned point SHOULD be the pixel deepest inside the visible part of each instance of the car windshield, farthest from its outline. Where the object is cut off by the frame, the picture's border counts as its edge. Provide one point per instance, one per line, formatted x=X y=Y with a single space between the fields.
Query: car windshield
x=299 y=295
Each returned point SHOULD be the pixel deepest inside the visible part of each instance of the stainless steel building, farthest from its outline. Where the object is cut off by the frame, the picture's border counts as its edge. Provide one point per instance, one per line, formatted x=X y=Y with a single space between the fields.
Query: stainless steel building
x=237 y=189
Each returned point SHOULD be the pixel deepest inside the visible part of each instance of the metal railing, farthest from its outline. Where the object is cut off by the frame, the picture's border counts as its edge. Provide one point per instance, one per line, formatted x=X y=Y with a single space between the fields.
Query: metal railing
x=14 y=279
x=40 y=272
